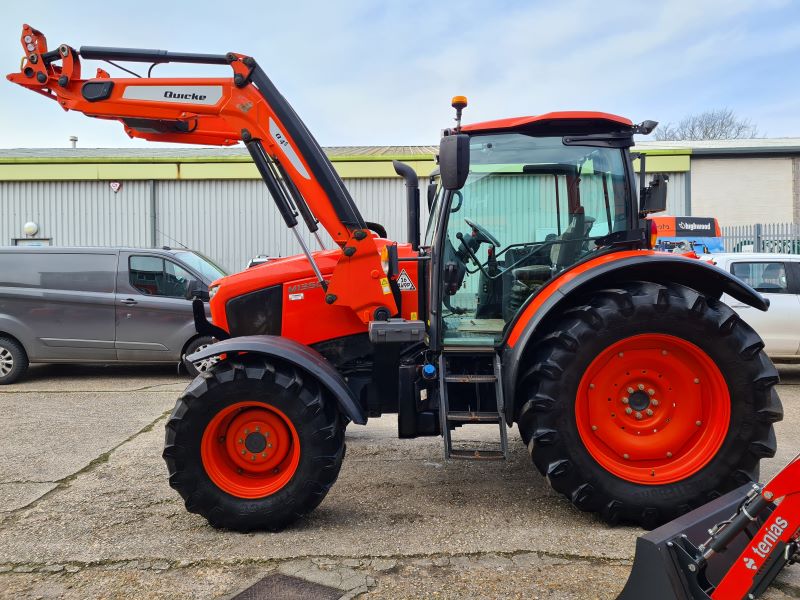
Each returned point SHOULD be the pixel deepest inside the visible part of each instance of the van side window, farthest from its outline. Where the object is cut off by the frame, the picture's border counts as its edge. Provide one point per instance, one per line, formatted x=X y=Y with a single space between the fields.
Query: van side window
x=70 y=271
x=768 y=277
x=155 y=276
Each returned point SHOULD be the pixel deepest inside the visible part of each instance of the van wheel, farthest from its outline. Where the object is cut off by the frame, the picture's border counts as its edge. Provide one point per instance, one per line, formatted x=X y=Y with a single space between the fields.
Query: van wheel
x=13 y=360
x=194 y=369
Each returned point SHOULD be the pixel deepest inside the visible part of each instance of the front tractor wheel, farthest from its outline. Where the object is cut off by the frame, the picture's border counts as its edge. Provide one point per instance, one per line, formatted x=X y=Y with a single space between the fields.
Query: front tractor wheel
x=647 y=401
x=253 y=444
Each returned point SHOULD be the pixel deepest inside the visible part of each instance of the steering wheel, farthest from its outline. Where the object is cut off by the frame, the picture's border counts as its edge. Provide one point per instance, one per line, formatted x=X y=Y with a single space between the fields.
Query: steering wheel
x=483 y=234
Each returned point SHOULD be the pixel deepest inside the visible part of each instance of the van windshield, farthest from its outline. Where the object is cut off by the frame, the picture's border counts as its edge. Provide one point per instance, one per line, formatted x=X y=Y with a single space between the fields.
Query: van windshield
x=202 y=265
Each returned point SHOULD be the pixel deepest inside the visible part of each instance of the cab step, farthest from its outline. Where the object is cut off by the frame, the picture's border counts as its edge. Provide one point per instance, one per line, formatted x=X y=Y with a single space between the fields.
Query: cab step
x=470 y=378
x=467 y=454
x=450 y=418
x=473 y=417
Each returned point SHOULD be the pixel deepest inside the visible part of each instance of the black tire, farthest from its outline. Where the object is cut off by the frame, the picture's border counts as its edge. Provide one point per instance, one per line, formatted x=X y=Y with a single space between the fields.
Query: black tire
x=13 y=360
x=553 y=370
x=193 y=346
x=297 y=395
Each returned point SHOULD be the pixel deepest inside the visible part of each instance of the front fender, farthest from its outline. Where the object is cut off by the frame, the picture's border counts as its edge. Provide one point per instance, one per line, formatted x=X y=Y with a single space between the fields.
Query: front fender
x=305 y=358
x=602 y=272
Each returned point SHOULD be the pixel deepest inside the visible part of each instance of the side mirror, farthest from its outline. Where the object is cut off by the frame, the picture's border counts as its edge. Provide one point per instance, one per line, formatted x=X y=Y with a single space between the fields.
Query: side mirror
x=431 y=194
x=454 y=161
x=197 y=289
x=654 y=197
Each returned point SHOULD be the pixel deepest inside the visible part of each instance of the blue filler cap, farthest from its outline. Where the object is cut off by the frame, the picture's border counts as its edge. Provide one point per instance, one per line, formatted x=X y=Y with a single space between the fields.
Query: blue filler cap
x=428 y=371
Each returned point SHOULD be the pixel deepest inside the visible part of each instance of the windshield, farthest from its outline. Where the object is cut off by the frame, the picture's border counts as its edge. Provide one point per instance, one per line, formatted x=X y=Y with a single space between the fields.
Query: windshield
x=202 y=265
x=531 y=207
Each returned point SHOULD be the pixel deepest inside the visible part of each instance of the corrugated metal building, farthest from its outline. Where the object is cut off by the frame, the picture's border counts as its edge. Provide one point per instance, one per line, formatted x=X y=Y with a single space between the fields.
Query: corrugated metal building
x=210 y=199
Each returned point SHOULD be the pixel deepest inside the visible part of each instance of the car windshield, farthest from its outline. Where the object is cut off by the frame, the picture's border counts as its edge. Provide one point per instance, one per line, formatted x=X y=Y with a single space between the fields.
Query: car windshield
x=531 y=207
x=202 y=265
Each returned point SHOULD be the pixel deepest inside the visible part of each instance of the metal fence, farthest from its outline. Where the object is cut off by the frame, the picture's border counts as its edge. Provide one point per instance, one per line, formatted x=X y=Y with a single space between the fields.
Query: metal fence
x=763 y=237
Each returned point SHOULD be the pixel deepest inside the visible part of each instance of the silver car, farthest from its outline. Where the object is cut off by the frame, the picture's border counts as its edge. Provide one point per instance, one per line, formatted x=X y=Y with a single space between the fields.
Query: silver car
x=777 y=277
x=104 y=305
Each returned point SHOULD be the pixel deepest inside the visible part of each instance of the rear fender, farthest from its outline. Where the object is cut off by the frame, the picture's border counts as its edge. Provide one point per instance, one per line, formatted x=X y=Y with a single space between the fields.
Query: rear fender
x=303 y=357
x=603 y=272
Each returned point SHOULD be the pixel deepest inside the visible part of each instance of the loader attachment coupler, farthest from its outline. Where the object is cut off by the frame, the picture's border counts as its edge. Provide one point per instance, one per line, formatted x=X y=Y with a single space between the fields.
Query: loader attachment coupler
x=730 y=548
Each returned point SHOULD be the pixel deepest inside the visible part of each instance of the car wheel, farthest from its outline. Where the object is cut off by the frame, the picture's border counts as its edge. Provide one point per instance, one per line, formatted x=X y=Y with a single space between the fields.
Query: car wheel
x=201 y=366
x=13 y=360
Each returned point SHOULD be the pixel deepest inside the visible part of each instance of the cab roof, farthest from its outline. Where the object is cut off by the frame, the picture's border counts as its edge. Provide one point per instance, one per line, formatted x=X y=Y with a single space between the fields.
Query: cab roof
x=552 y=119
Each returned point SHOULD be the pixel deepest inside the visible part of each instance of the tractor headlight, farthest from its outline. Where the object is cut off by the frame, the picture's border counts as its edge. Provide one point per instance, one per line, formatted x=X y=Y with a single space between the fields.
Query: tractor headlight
x=212 y=291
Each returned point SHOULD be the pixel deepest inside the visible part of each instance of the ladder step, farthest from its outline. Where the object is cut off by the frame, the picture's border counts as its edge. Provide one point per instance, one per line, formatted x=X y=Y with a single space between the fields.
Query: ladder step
x=469 y=350
x=470 y=378
x=473 y=417
x=465 y=454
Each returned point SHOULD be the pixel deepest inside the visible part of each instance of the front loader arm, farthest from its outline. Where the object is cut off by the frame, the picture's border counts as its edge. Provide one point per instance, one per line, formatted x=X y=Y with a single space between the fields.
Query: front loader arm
x=222 y=111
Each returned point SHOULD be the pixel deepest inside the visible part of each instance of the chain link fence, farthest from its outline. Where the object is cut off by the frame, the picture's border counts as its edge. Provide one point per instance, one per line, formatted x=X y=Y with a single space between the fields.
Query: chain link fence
x=763 y=237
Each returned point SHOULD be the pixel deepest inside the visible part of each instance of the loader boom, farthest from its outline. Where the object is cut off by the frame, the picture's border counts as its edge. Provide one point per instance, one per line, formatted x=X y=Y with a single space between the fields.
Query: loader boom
x=222 y=111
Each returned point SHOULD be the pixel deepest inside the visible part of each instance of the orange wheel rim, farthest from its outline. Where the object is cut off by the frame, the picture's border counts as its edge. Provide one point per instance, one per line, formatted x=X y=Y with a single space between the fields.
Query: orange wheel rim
x=653 y=409
x=250 y=449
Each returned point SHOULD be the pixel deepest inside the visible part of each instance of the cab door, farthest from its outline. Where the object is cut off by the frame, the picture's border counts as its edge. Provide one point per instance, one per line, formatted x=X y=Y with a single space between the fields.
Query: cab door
x=153 y=317
x=776 y=279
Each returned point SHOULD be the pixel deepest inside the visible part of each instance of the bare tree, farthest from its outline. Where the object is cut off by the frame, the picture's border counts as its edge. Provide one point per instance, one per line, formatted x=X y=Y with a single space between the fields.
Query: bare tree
x=718 y=124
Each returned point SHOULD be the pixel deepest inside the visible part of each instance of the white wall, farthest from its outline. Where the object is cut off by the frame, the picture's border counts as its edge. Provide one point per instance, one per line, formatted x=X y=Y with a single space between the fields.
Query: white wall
x=742 y=191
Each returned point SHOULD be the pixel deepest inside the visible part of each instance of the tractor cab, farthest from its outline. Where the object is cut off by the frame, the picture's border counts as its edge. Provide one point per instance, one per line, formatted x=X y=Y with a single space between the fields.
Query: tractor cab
x=540 y=195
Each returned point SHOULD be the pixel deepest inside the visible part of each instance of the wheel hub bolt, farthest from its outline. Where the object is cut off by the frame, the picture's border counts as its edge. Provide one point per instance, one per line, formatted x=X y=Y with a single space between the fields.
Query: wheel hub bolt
x=594 y=427
x=638 y=415
x=625 y=400
x=654 y=402
x=591 y=386
x=696 y=380
x=252 y=457
x=698 y=423
x=621 y=354
x=630 y=390
x=669 y=454
x=244 y=452
x=628 y=410
x=651 y=391
x=626 y=456
x=641 y=386
x=649 y=412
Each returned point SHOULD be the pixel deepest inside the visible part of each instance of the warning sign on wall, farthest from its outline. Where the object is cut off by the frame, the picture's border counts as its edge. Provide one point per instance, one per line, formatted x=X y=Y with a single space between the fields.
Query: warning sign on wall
x=404 y=282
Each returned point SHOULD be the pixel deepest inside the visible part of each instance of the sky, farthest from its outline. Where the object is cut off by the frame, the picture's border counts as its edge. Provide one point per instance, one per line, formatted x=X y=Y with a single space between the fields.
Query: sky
x=366 y=72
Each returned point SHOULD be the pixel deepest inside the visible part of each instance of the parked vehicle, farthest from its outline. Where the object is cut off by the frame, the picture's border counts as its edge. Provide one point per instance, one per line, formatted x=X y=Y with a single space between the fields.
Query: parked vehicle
x=535 y=298
x=701 y=235
x=777 y=277
x=105 y=305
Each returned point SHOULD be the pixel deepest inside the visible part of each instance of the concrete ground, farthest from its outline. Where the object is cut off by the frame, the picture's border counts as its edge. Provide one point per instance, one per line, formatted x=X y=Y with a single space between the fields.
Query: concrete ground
x=86 y=512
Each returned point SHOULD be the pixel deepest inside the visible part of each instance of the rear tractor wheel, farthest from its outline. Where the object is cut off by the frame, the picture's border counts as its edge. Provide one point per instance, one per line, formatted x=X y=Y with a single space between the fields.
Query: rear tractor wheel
x=253 y=444
x=647 y=401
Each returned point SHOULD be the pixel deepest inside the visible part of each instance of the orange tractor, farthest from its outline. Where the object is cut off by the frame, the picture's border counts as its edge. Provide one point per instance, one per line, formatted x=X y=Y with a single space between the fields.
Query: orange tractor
x=533 y=299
